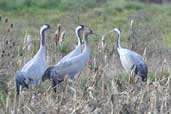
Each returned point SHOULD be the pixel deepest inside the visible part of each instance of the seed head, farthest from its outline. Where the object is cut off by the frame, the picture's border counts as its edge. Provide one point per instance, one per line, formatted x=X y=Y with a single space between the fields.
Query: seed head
x=13 y=44
x=6 y=42
x=3 y=51
x=6 y=20
x=2 y=56
x=8 y=30
x=11 y=25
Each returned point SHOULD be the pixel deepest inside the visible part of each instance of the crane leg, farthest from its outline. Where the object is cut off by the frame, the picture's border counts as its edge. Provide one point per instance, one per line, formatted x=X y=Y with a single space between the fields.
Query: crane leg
x=54 y=85
x=70 y=87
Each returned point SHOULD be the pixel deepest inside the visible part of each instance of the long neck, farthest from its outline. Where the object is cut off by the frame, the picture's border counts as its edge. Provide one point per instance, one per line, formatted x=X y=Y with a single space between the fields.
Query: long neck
x=118 y=41
x=42 y=38
x=87 y=47
x=78 y=37
x=86 y=51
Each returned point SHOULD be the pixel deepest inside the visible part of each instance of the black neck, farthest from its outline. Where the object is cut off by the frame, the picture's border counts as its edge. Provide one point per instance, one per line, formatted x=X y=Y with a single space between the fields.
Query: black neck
x=42 y=38
x=79 y=36
x=118 y=41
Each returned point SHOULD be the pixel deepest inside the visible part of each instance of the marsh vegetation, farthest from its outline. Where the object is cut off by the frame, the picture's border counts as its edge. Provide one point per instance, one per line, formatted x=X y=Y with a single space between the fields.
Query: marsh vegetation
x=102 y=88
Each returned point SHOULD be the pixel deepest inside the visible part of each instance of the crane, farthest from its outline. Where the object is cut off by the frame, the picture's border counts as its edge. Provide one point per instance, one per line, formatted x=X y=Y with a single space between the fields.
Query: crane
x=77 y=50
x=130 y=60
x=33 y=70
x=70 y=66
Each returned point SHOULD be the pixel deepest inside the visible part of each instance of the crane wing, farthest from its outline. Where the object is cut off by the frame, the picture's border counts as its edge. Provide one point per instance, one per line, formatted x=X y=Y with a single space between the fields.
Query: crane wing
x=73 y=53
x=135 y=58
x=69 y=66
x=34 y=70
x=129 y=59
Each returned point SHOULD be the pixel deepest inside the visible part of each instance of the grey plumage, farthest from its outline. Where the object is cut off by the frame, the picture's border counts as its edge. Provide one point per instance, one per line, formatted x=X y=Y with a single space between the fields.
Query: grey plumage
x=70 y=66
x=130 y=60
x=33 y=70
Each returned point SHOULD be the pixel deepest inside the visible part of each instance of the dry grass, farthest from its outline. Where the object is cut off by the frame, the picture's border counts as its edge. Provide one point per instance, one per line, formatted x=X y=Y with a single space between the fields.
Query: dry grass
x=96 y=96
x=98 y=90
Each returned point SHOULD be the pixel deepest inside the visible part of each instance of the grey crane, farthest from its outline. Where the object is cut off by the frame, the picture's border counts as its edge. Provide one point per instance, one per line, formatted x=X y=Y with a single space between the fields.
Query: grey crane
x=70 y=66
x=130 y=60
x=77 y=50
x=33 y=70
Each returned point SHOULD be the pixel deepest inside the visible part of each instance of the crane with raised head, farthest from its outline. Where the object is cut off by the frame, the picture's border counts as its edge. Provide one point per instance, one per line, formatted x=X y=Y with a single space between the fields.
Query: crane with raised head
x=130 y=60
x=70 y=66
x=78 y=48
x=33 y=70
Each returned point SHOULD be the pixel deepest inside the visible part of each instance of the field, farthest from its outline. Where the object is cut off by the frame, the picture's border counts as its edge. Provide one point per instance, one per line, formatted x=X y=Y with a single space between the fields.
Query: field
x=102 y=87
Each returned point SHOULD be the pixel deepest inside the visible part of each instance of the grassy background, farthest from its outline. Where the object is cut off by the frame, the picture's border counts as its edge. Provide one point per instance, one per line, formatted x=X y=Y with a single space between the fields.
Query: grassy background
x=150 y=30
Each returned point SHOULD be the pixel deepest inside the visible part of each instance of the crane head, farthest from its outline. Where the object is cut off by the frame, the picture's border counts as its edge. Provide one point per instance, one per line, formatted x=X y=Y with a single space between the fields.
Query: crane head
x=82 y=26
x=144 y=76
x=44 y=27
x=88 y=31
x=78 y=28
x=20 y=80
x=142 y=71
x=117 y=30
